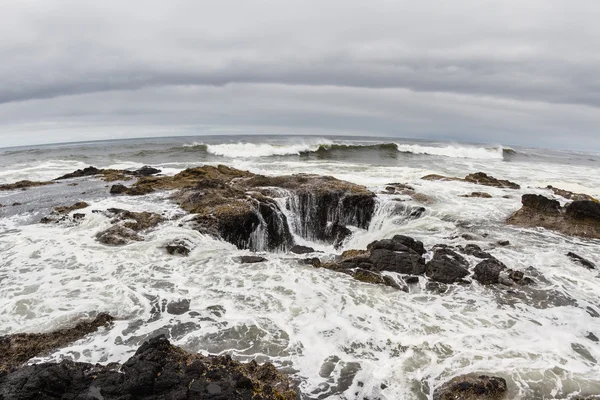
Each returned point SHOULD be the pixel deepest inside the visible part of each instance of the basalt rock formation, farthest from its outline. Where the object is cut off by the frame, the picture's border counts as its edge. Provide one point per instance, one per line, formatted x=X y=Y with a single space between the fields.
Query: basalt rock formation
x=579 y=218
x=126 y=226
x=241 y=207
x=18 y=348
x=158 y=370
x=479 y=178
x=472 y=387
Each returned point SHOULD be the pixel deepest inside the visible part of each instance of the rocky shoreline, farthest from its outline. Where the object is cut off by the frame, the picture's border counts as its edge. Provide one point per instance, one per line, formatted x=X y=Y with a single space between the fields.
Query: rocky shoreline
x=263 y=213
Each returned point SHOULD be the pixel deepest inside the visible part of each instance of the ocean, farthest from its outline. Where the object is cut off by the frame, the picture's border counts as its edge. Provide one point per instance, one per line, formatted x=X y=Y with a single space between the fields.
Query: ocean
x=339 y=337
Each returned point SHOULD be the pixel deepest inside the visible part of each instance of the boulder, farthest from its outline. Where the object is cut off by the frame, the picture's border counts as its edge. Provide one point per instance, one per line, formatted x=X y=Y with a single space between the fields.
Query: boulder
x=472 y=387
x=251 y=259
x=404 y=262
x=146 y=171
x=488 y=271
x=118 y=189
x=577 y=258
x=126 y=226
x=474 y=250
x=446 y=266
x=180 y=247
x=479 y=178
x=415 y=245
x=579 y=218
x=481 y=195
x=118 y=235
x=58 y=214
x=297 y=249
x=178 y=307
x=158 y=370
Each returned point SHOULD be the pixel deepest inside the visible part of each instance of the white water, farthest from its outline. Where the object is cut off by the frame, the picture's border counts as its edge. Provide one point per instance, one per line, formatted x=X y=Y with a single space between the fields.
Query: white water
x=297 y=316
x=454 y=151
x=250 y=150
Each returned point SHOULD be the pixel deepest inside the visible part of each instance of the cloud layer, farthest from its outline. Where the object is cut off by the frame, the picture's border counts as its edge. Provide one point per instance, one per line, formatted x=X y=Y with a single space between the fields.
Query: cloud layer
x=485 y=70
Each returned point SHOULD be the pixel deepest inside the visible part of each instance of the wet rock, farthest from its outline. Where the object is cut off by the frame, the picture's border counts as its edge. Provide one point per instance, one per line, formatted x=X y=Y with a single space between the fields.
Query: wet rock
x=586 y=263
x=158 y=370
x=479 y=178
x=314 y=261
x=481 y=195
x=570 y=195
x=67 y=209
x=107 y=175
x=349 y=254
x=402 y=261
x=368 y=276
x=393 y=188
x=297 y=249
x=503 y=243
x=146 y=171
x=446 y=266
x=178 y=307
x=18 y=348
x=118 y=235
x=88 y=171
x=488 y=271
x=472 y=387
x=23 y=185
x=475 y=250
x=415 y=245
x=251 y=259
x=118 y=189
x=180 y=247
x=339 y=234
x=579 y=218
x=422 y=198
x=78 y=216
x=411 y=280
x=58 y=213
x=592 y=337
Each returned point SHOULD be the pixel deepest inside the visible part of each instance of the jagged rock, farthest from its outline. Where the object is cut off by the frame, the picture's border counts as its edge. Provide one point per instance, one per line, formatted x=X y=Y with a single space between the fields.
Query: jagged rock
x=146 y=171
x=251 y=259
x=570 y=195
x=339 y=234
x=472 y=387
x=402 y=188
x=158 y=370
x=88 y=171
x=179 y=247
x=503 y=243
x=411 y=243
x=488 y=271
x=126 y=225
x=108 y=175
x=18 y=348
x=479 y=178
x=58 y=213
x=474 y=250
x=23 y=185
x=482 y=195
x=586 y=263
x=404 y=262
x=592 y=337
x=297 y=249
x=446 y=266
x=178 y=307
x=579 y=218
x=118 y=189
x=67 y=209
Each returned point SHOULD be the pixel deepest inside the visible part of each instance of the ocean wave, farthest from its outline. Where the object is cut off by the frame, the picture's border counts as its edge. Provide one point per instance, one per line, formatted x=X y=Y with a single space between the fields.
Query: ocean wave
x=251 y=150
x=457 y=151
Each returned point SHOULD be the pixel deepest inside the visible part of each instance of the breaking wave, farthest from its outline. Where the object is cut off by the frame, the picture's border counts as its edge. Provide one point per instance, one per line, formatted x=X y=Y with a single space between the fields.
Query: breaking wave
x=456 y=151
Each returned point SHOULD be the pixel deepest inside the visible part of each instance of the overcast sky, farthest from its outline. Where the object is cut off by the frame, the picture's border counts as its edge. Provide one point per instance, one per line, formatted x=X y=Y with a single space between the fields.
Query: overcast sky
x=524 y=72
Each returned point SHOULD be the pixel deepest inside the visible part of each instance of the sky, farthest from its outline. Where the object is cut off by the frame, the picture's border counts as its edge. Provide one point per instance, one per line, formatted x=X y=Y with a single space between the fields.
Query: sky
x=503 y=72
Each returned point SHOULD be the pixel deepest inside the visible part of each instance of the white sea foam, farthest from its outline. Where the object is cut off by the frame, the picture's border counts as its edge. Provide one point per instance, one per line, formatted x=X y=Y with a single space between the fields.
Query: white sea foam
x=454 y=151
x=251 y=150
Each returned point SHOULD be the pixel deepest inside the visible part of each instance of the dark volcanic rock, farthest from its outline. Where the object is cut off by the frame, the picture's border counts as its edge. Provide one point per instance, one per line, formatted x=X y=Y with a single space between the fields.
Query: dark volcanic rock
x=570 y=195
x=23 y=185
x=18 y=348
x=474 y=250
x=180 y=247
x=488 y=271
x=118 y=235
x=446 y=266
x=251 y=259
x=118 y=189
x=579 y=218
x=126 y=226
x=88 y=171
x=481 y=195
x=472 y=387
x=58 y=214
x=158 y=370
x=581 y=260
x=479 y=178
x=404 y=262
x=411 y=243
x=146 y=171
x=178 y=307
x=297 y=249
x=108 y=175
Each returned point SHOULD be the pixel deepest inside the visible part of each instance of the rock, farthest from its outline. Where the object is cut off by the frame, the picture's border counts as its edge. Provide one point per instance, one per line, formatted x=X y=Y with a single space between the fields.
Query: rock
x=446 y=266
x=581 y=260
x=251 y=259
x=415 y=245
x=402 y=188
x=88 y=171
x=118 y=189
x=339 y=234
x=570 y=195
x=67 y=209
x=422 y=198
x=479 y=178
x=178 y=307
x=404 y=262
x=592 y=337
x=18 y=348
x=488 y=271
x=118 y=235
x=108 y=175
x=297 y=249
x=579 y=218
x=58 y=214
x=503 y=243
x=368 y=276
x=474 y=250
x=78 y=216
x=472 y=387
x=146 y=171
x=478 y=194
x=23 y=185
x=180 y=247
x=411 y=280
x=158 y=370
x=349 y=254
x=15 y=204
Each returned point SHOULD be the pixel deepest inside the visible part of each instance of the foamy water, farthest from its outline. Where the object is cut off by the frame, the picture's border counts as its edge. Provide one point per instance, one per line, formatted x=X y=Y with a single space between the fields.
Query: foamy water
x=325 y=328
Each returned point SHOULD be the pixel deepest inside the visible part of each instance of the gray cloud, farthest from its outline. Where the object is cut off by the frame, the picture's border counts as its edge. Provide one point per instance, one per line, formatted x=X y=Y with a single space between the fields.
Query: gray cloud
x=465 y=70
